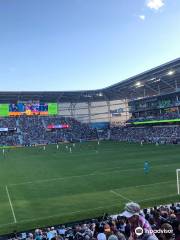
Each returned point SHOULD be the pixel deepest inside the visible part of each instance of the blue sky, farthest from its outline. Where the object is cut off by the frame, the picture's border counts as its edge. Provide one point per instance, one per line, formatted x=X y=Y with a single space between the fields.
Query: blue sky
x=84 y=44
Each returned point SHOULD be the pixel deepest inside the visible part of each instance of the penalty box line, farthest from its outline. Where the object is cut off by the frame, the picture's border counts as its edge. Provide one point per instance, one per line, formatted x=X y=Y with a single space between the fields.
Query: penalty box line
x=114 y=191
x=74 y=212
x=11 y=205
x=120 y=195
x=58 y=215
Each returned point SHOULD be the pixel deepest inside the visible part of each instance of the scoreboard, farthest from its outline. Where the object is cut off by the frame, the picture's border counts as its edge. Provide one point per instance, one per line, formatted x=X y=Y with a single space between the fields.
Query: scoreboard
x=18 y=109
x=4 y=110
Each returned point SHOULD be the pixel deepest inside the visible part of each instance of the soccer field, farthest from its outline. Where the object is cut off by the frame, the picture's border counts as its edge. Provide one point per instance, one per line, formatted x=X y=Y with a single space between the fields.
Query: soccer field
x=45 y=187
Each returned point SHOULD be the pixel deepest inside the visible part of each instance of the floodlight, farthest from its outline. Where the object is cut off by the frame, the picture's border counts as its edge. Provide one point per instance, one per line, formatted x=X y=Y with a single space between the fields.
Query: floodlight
x=138 y=84
x=170 y=73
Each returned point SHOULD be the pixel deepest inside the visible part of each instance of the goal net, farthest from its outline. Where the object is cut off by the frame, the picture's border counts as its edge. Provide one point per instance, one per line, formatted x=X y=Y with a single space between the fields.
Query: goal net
x=178 y=181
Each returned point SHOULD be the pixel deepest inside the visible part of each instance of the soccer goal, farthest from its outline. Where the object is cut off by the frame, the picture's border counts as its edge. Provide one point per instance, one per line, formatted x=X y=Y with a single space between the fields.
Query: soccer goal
x=178 y=179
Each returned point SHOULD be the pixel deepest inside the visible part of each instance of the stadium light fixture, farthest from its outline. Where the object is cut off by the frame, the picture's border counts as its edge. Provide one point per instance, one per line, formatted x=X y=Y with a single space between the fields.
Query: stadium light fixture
x=138 y=84
x=157 y=80
x=152 y=79
x=100 y=94
x=170 y=73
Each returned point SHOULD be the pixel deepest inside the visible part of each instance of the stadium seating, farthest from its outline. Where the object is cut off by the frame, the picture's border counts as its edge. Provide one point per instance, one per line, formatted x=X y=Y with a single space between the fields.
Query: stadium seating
x=165 y=134
x=33 y=130
x=164 y=116
x=110 y=227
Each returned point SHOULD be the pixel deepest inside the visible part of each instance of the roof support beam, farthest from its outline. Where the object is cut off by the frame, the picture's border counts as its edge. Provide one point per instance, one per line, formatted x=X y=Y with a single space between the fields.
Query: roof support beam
x=167 y=84
x=154 y=90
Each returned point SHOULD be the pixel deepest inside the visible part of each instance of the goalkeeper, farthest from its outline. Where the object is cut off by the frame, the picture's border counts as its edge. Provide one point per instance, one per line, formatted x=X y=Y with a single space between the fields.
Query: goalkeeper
x=146 y=167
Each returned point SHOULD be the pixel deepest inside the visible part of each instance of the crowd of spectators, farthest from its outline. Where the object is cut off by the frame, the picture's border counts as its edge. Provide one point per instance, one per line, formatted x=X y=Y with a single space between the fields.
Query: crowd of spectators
x=103 y=134
x=151 y=117
x=8 y=137
x=165 y=134
x=34 y=130
x=161 y=223
x=7 y=122
x=31 y=129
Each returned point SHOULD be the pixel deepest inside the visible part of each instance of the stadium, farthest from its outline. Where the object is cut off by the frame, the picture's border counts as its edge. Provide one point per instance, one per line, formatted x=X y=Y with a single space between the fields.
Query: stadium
x=71 y=160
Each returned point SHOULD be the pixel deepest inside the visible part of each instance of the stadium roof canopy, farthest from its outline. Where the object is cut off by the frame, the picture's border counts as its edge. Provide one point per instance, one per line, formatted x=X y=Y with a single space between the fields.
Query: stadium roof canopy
x=157 y=81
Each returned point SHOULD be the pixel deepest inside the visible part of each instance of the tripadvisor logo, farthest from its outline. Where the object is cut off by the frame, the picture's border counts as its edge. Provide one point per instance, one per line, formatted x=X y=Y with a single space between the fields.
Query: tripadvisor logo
x=139 y=231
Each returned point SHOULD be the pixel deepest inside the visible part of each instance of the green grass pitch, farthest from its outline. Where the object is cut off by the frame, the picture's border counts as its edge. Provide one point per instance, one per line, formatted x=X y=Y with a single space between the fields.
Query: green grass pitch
x=55 y=186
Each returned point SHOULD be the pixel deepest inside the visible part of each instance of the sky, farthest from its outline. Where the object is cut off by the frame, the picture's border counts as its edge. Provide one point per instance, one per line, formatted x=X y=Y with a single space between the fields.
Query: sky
x=63 y=45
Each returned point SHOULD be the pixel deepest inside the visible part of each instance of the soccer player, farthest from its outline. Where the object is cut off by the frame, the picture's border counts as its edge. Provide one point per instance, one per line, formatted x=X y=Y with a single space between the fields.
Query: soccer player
x=44 y=148
x=73 y=144
x=70 y=150
x=57 y=146
x=146 y=167
x=3 y=151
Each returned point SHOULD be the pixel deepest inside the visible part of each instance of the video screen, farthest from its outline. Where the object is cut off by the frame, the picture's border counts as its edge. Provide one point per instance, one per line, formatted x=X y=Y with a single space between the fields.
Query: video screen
x=18 y=109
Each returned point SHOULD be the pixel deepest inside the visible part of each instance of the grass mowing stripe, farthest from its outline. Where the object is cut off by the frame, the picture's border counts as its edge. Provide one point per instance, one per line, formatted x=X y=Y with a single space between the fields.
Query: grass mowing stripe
x=103 y=207
x=80 y=211
x=11 y=206
x=51 y=179
x=79 y=176
x=146 y=185
x=148 y=199
x=58 y=215
x=120 y=195
x=116 y=165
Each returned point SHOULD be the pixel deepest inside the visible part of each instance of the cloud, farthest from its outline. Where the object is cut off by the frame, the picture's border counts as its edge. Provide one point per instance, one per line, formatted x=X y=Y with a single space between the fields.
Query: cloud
x=155 y=4
x=142 y=17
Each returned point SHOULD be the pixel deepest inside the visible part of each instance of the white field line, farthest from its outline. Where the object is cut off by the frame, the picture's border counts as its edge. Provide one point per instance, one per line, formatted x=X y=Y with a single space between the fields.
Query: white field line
x=131 y=169
x=120 y=195
x=59 y=215
x=7 y=224
x=152 y=184
x=78 y=176
x=11 y=206
x=75 y=212
x=139 y=201
x=155 y=198
x=51 y=179
x=145 y=185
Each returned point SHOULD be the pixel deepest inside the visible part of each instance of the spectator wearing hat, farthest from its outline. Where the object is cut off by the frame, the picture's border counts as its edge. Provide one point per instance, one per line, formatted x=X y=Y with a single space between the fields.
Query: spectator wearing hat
x=132 y=213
